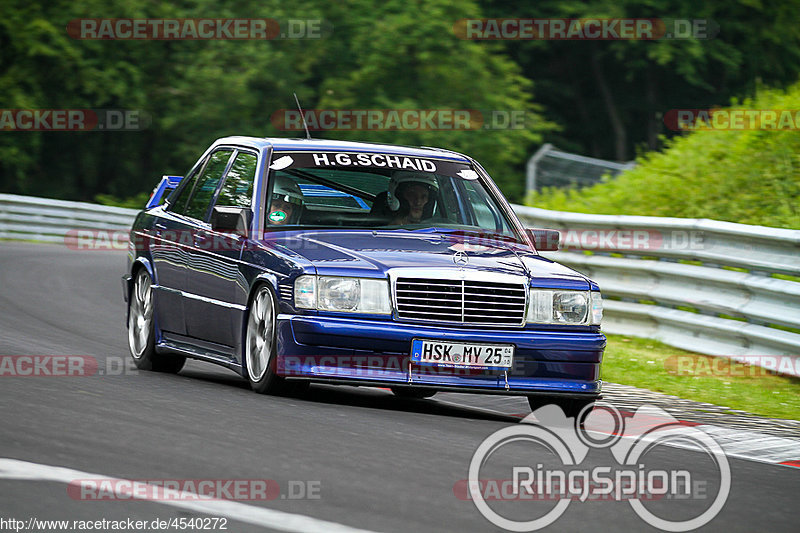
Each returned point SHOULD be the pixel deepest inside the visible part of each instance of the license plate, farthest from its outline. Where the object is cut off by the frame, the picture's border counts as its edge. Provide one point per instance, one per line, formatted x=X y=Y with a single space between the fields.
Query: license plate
x=461 y=354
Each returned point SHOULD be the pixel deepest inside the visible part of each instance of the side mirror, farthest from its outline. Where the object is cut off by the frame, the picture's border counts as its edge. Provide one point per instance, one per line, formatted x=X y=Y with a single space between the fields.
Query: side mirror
x=544 y=240
x=231 y=220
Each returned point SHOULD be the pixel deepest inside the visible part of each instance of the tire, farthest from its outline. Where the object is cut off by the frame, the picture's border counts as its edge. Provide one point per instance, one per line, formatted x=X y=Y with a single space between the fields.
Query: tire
x=409 y=392
x=572 y=407
x=141 y=330
x=260 y=346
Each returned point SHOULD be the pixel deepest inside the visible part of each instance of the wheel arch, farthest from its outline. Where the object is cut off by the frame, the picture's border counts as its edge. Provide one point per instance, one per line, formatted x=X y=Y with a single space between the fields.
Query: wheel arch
x=137 y=265
x=263 y=279
x=140 y=263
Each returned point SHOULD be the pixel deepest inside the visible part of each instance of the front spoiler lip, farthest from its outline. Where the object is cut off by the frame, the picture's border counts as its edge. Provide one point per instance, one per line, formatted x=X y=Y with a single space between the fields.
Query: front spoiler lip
x=450 y=388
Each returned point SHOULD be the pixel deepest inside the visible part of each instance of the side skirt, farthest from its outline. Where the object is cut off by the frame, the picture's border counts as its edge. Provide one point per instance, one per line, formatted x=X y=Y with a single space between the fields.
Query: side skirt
x=184 y=346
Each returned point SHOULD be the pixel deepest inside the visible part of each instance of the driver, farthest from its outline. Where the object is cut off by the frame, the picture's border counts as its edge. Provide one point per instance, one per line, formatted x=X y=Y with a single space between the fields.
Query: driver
x=286 y=204
x=412 y=196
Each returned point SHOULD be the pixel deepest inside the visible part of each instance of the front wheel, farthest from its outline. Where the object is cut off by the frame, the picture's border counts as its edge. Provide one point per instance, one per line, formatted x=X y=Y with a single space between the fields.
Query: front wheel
x=141 y=330
x=260 y=345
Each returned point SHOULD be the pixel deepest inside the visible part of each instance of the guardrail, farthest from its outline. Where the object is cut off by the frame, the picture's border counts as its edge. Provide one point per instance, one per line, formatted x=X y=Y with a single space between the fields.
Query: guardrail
x=700 y=285
x=42 y=219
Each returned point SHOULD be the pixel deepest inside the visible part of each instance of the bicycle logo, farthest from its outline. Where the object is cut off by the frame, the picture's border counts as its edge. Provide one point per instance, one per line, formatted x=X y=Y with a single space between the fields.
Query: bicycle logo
x=566 y=440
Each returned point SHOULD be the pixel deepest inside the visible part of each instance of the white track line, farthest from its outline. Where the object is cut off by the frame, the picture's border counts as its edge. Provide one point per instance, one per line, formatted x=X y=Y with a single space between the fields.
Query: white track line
x=251 y=514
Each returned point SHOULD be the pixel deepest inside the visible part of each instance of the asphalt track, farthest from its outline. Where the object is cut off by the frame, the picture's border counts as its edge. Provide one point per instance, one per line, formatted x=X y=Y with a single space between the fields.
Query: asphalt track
x=378 y=462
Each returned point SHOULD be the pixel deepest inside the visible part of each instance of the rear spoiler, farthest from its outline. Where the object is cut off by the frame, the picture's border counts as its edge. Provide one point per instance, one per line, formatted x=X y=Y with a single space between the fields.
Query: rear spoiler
x=164 y=187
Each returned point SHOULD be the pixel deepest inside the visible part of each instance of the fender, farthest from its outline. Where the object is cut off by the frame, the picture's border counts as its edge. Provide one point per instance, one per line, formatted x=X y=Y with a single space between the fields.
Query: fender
x=127 y=283
x=263 y=278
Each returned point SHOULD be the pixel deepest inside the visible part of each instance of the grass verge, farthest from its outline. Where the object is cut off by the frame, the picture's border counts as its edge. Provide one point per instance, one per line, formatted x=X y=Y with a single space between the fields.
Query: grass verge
x=655 y=366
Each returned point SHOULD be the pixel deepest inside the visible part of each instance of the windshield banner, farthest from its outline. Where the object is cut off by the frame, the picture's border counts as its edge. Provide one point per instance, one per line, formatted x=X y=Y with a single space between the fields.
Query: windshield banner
x=283 y=160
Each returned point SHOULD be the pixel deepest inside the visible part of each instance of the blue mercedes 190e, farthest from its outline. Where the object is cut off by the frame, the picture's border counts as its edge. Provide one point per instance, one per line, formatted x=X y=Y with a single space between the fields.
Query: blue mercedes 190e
x=295 y=261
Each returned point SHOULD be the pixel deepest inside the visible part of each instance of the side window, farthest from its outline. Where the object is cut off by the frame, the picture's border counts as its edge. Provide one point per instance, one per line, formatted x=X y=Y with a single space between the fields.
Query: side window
x=177 y=201
x=237 y=191
x=206 y=184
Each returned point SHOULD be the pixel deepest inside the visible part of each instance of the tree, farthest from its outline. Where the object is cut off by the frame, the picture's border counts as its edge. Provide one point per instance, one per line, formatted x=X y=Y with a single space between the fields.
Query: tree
x=625 y=86
x=397 y=55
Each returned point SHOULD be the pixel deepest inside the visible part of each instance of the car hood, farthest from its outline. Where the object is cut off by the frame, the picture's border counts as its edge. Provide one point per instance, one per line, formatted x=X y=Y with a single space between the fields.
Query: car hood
x=372 y=253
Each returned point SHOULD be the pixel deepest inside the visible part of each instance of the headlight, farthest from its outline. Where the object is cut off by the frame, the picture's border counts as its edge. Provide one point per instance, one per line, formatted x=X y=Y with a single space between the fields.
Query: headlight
x=351 y=295
x=570 y=307
x=338 y=294
x=564 y=307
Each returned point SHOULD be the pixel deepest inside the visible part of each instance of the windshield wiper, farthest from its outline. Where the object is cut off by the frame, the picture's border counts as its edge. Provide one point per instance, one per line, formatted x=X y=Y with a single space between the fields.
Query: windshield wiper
x=332 y=184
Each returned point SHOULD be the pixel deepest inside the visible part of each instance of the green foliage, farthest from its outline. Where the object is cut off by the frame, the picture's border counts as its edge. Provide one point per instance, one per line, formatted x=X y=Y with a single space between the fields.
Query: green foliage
x=652 y=365
x=749 y=42
x=404 y=58
x=392 y=55
x=137 y=201
x=746 y=176
x=381 y=55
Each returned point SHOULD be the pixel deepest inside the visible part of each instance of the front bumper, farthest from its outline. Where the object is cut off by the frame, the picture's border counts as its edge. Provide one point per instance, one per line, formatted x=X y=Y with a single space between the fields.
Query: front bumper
x=376 y=352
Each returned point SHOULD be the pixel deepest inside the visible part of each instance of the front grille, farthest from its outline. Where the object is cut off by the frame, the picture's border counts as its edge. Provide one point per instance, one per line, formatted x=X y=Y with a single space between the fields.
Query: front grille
x=461 y=301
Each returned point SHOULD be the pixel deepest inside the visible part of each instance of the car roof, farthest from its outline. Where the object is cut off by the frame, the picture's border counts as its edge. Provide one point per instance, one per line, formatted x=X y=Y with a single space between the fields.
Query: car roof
x=313 y=145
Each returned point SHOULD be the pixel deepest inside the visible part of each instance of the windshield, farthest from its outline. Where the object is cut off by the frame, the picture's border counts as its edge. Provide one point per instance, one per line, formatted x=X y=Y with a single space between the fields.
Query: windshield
x=358 y=190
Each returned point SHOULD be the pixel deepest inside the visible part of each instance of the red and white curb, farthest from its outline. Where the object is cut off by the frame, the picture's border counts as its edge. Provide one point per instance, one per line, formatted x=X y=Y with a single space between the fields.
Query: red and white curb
x=755 y=446
x=738 y=443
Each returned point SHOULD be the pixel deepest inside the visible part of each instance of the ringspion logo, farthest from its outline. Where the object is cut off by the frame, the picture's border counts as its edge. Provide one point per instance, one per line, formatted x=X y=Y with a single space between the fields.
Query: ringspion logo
x=565 y=479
